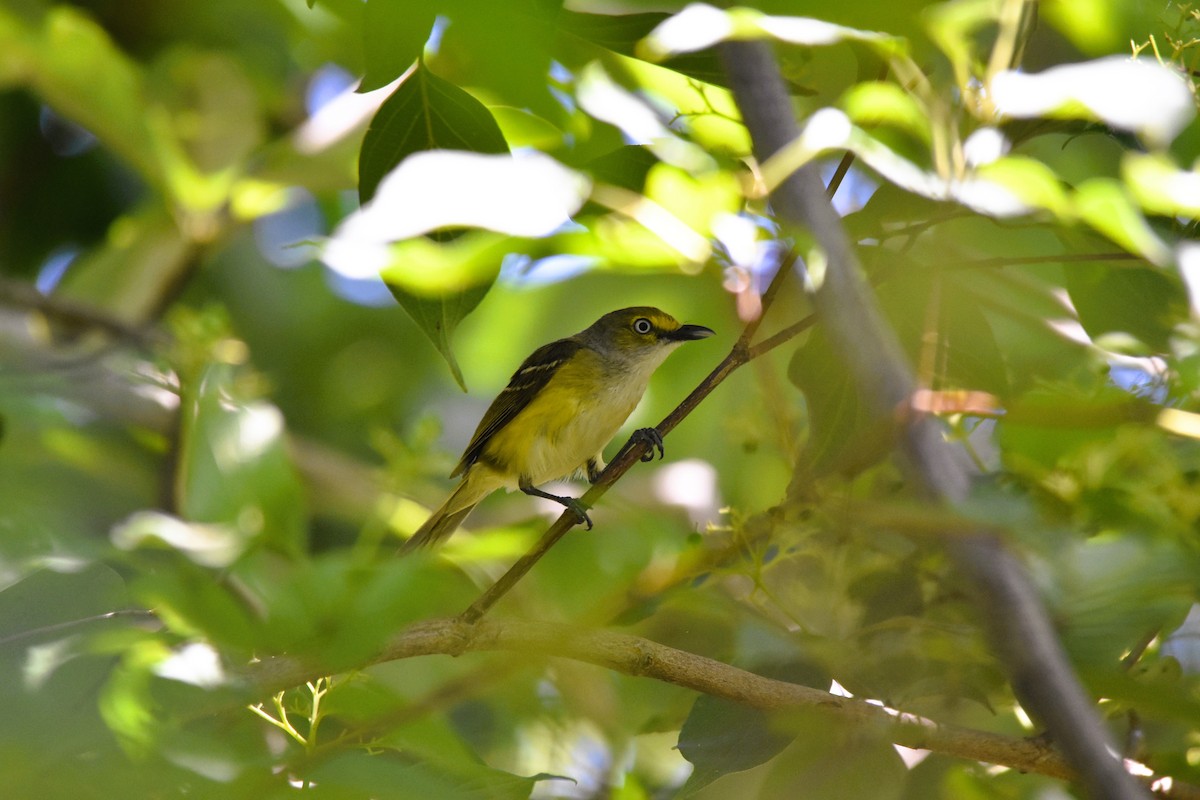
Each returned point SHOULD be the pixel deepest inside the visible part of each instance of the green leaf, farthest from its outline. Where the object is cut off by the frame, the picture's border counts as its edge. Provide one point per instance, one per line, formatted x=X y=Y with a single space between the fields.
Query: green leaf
x=70 y=61
x=424 y=113
x=1104 y=204
x=1161 y=187
x=700 y=26
x=1112 y=590
x=720 y=736
x=1136 y=95
x=840 y=432
x=504 y=49
x=1033 y=183
x=437 y=317
x=394 y=36
x=1127 y=298
x=836 y=762
x=138 y=264
x=384 y=775
x=880 y=103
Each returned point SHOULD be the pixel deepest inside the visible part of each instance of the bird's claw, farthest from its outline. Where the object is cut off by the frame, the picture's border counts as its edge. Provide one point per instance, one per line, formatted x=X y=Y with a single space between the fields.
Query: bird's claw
x=580 y=511
x=652 y=439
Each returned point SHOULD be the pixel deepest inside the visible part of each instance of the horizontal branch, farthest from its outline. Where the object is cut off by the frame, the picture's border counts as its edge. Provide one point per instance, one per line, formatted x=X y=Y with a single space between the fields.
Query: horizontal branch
x=639 y=657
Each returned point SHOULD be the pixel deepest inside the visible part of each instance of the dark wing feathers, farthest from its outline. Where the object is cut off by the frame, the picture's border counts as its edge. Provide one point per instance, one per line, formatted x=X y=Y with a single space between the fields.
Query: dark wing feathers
x=533 y=374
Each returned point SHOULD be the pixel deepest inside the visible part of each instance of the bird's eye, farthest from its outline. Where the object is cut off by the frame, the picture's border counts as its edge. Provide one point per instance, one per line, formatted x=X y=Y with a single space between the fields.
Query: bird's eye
x=642 y=325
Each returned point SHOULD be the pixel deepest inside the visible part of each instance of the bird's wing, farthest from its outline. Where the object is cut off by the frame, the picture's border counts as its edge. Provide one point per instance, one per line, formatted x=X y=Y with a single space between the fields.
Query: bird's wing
x=533 y=374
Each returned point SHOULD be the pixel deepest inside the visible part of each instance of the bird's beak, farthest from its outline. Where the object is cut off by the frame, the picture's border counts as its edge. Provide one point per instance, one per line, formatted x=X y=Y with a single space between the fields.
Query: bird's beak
x=687 y=333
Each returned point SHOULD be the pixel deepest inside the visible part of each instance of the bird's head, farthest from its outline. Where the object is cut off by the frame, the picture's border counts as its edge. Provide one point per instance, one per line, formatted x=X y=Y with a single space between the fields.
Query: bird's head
x=641 y=332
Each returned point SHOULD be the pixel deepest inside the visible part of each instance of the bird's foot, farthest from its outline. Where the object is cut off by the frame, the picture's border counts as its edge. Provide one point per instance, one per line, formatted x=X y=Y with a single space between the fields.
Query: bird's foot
x=652 y=439
x=572 y=504
x=577 y=507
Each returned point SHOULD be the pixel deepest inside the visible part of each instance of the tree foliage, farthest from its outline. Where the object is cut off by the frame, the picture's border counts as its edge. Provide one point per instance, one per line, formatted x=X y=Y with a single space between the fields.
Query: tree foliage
x=251 y=252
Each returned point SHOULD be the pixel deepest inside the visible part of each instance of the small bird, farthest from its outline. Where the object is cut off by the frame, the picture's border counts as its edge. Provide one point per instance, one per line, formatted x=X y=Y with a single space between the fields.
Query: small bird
x=560 y=408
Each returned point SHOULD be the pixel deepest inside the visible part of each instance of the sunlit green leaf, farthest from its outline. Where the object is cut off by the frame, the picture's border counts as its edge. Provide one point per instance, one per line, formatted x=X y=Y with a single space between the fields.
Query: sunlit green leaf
x=1031 y=181
x=1135 y=95
x=522 y=128
x=73 y=63
x=437 y=317
x=700 y=26
x=879 y=103
x=1104 y=204
x=1161 y=187
x=132 y=271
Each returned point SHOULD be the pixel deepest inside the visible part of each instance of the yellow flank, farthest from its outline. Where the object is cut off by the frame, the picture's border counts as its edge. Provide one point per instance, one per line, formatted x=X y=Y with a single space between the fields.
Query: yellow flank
x=570 y=421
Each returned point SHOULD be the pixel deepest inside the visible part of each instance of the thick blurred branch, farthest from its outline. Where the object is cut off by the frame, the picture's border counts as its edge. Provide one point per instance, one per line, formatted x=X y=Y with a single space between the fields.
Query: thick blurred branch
x=1021 y=633
x=633 y=655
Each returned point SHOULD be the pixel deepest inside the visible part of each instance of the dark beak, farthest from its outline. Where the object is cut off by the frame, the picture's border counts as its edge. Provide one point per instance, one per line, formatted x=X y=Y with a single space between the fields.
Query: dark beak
x=688 y=333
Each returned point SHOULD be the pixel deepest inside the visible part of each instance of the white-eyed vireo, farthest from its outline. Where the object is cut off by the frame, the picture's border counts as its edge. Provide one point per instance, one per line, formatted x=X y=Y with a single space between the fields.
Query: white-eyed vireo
x=560 y=408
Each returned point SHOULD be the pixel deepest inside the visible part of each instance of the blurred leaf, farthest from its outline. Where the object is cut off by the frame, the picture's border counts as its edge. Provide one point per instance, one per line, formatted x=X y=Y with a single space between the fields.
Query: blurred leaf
x=841 y=436
x=953 y=27
x=1127 y=298
x=525 y=194
x=512 y=68
x=1104 y=204
x=832 y=762
x=720 y=736
x=338 y=611
x=626 y=167
x=939 y=319
x=33 y=606
x=1101 y=27
x=383 y=775
x=207 y=545
x=394 y=36
x=234 y=467
x=1106 y=599
x=135 y=268
x=1161 y=187
x=68 y=59
x=879 y=103
x=423 y=113
x=1031 y=181
x=696 y=201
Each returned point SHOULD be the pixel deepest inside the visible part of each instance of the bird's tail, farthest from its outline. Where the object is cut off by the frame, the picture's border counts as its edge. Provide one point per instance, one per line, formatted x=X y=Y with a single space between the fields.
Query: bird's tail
x=445 y=520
